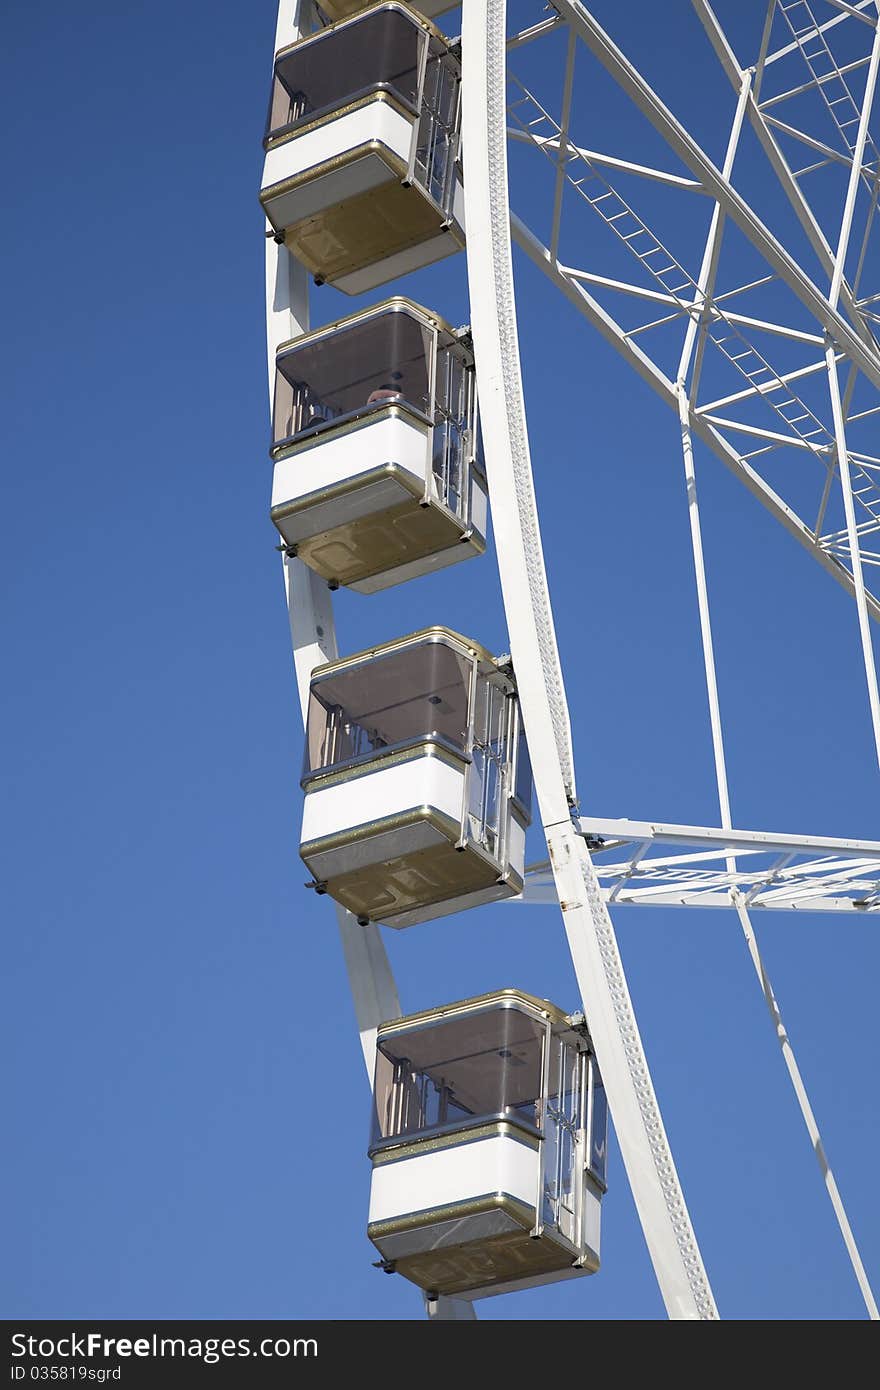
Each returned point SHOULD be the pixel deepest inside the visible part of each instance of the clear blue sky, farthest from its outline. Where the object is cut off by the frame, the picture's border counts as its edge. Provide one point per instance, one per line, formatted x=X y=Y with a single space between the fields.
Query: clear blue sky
x=186 y=1104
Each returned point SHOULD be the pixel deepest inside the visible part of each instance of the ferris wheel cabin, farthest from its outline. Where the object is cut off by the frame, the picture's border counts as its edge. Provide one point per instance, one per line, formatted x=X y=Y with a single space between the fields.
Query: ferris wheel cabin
x=488 y=1146
x=361 y=179
x=417 y=779
x=377 y=477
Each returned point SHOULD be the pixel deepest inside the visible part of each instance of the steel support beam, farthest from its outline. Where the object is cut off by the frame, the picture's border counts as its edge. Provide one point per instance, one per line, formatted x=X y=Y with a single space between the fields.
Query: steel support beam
x=594 y=313
x=631 y=81
x=787 y=181
x=635 y=1112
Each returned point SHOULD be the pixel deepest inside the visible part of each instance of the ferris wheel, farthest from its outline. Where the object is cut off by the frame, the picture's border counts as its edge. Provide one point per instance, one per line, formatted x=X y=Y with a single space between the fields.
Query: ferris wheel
x=391 y=145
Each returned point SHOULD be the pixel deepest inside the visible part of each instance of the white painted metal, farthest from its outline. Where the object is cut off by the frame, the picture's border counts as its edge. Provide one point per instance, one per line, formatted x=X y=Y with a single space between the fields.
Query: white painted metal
x=326 y=460
x=376 y=123
x=633 y=1105
x=313 y=637
x=380 y=793
x=839 y=885
x=368 y=797
x=567 y=281
x=727 y=838
x=686 y=147
x=454 y=1174
x=734 y=874
x=835 y=264
x=806 y=1110
x=741 y=901
x=392 y=437
x=854 y=544
x=475 y=1168
x=784 y=872
x=720 y=867
x=312 y=628
x=694 y=347
x=738 y=337
x=837 y=408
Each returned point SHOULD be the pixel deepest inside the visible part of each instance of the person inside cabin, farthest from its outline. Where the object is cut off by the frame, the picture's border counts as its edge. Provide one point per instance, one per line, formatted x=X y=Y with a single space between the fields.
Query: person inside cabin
x=385 y=392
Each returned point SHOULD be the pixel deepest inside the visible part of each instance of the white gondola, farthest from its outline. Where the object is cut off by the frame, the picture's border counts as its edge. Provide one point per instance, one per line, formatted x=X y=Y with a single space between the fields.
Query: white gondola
x=377 y=476
x=488 y=1146
x=362 y=179
x=417 y=780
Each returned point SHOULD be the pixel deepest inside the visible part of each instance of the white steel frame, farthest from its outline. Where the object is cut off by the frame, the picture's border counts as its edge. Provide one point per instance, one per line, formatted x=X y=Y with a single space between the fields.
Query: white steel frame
x=723 y=866
x=649 y=864
x=637 y=1121
x=844 y=878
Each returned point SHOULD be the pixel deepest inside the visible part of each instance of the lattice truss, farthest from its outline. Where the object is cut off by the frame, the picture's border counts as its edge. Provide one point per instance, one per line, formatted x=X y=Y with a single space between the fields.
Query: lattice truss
x=739 y=275
x=643 y=864
x=741 y=279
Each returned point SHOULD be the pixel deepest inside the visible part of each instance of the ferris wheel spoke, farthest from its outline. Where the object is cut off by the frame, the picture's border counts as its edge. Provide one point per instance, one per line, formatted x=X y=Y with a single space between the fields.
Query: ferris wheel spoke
x=781 y=866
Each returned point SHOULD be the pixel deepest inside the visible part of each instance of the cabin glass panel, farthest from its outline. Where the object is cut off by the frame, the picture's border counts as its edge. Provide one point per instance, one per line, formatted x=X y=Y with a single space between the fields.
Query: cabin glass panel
x=405 y=697
x=522 y=775
x=454 y=427
x=490 y=754
x=380 y=52
x=598 y=1148
x=457 y=1073
x=437 y=142
x=354 y=372
x=391 y=358
x=565 y=1114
